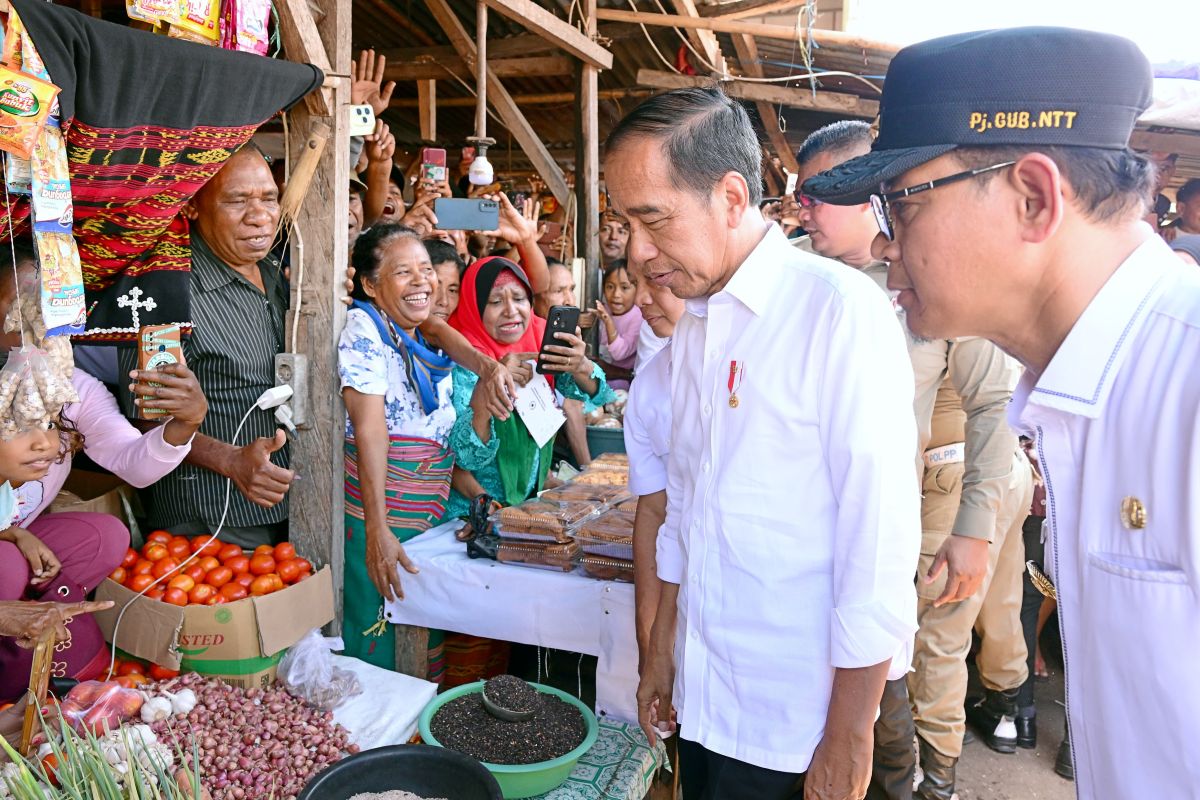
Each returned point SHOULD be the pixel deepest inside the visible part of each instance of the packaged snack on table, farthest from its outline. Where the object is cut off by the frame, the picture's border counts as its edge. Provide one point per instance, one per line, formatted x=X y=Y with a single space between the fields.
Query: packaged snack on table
x=582 y=492
x=602 y=476
x=630 y=504
x=557 y=557
x=544 y=515
x=610 y=534
x=537 y=537
x=619 y=461
x=607 y=569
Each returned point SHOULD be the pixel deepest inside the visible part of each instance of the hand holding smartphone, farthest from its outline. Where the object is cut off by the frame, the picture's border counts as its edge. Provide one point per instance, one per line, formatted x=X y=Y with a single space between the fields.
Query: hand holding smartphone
x=561 y=319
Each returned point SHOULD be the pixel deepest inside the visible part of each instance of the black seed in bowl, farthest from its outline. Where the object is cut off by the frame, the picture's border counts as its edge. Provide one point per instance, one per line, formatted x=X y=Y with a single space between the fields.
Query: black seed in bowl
x=511 y=693
x=463 y=724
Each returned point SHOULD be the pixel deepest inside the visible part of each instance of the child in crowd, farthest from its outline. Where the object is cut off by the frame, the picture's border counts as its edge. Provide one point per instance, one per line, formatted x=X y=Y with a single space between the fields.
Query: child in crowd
x=621 y=321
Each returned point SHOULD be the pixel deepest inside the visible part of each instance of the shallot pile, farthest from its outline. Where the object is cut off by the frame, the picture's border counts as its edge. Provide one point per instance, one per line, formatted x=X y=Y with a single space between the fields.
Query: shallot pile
x=253 y=743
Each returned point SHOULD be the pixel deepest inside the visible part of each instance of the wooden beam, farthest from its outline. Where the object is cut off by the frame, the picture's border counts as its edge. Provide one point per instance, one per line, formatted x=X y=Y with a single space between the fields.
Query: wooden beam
x=1155 y=141
x=427 y=97
x=302 y=42
x=749 y=8
x=546 y=99
x=829 y=102
x=587 y=169
x=762 y=31
x=527 y=44
x=426 y=68
x=705 y=41
x=389 y=10
x=747 y=53
x=553 y=29
x=502 y=102
x=319 y=255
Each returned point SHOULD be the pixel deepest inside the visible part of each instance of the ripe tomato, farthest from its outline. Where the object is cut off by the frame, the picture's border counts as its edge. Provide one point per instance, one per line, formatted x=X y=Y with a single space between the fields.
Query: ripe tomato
x=162 y=537
x=142 y=567
x=208 y=564
x=233 y=591
x=180 y=547
x=162 y=673
x=289 y=571
x=264 y=550
x=219 y=577
x=131 y=668
x=201 y=593
x=156 y=593
x=229 y=551
x=132 y=681
x=263 y=584
x=119 y=574
x=284 y=551
x=155 y=551
x=139 y=582
x=164 y=567
x=305 y=565
x=50 y=767
x=183 y=582
x=238 y=564
x=244 y=579
x=216 y=600
x=262 y=564
x=131 y=558
x=276 y=581
x=176 y=597
x=195 y=572
x=206 y=546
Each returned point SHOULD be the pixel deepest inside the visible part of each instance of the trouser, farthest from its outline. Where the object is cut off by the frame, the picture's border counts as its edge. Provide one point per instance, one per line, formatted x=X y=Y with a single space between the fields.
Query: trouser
x=893 y=762
x=937 y=685
x=246 y=536
x=1031 y=605
x=705 y=775
x=88 y=546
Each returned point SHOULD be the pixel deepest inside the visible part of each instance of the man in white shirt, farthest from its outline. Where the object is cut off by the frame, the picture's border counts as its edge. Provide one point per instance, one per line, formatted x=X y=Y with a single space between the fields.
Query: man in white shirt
x=792 y=526
x=1015 y=211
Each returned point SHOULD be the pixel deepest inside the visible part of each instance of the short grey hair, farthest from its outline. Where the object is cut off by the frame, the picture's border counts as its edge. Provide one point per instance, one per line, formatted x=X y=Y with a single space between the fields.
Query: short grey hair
x=705 y=136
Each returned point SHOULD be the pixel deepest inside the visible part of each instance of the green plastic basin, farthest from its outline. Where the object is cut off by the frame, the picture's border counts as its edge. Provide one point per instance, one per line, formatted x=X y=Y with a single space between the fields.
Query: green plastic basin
x=521 y=780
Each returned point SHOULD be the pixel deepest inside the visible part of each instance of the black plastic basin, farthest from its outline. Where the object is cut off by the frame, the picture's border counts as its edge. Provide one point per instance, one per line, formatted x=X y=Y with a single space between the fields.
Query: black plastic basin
x=417 y=768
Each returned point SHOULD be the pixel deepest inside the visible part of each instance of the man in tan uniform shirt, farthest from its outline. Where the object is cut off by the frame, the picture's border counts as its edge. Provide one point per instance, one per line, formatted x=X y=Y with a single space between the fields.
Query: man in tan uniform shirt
x=976 y=489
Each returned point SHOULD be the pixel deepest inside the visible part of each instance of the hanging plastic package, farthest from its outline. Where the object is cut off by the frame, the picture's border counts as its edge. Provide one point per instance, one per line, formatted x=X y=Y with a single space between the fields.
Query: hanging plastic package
x=153 y=12
x=24 y=108
x=250 y=21
x=199 y=21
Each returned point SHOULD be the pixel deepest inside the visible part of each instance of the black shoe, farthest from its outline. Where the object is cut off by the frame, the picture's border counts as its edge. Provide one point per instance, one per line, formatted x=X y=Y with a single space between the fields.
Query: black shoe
x=1027 y=732
x=1063 y=763
x=968 y=737
x=938 y=780
x=993 y=717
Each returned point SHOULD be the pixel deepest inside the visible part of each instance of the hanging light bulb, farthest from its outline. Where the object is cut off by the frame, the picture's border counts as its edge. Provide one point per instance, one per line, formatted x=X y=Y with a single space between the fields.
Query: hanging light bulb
x=481 y=172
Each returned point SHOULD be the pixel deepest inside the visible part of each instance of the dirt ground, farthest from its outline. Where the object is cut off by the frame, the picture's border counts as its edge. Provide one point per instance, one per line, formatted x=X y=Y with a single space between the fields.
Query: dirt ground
x=1028 y=774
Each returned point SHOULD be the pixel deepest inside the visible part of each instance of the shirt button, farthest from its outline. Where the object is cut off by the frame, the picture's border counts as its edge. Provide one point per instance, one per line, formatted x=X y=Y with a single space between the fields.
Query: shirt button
x=707 y=466
x=695 y=635
x=712 y=353
x=708 y=411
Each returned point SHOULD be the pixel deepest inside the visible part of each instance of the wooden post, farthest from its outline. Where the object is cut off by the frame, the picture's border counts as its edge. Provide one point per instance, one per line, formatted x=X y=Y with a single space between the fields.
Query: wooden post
x=587 y=168
x=412 y=651
x=319 y=250
x=427 y=98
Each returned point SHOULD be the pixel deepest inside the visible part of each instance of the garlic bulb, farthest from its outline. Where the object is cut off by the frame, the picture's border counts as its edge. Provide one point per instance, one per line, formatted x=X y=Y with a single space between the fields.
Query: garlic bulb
x=156 y=709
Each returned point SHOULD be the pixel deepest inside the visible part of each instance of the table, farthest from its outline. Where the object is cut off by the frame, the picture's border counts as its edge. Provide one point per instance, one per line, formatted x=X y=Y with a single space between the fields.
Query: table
x=619 y=766
x=567 y=611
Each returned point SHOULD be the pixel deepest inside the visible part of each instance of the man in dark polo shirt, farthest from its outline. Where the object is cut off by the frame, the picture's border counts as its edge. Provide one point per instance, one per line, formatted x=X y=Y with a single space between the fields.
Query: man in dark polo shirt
x=238 y=303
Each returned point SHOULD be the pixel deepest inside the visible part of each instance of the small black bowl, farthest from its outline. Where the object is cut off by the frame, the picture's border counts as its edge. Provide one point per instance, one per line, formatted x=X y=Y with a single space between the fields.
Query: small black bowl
x=417 y=768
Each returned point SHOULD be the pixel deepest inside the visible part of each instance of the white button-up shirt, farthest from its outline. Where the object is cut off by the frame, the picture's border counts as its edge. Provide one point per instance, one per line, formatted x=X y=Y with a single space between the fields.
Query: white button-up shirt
x=1116 y=415
x=793 y=523
x=648 y=425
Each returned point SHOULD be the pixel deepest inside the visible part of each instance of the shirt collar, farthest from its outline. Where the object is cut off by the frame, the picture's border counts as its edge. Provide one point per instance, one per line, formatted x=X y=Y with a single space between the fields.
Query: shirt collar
x=1079 y=378
x=213 y=273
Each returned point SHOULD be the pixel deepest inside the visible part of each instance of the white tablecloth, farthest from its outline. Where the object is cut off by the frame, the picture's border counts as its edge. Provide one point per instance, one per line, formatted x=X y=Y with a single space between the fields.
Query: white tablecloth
x=566 y=611
x=387 y=710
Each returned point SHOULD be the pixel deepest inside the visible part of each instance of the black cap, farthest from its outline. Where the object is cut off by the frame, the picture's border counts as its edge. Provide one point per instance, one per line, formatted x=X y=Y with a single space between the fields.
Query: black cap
x=1014 y=86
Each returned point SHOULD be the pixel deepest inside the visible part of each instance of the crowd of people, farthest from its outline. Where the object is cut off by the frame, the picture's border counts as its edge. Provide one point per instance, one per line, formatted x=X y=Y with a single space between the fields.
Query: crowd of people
x=848 y=433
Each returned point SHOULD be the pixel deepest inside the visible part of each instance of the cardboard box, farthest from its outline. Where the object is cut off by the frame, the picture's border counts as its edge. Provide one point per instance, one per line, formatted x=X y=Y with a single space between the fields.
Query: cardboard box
x=240 y=642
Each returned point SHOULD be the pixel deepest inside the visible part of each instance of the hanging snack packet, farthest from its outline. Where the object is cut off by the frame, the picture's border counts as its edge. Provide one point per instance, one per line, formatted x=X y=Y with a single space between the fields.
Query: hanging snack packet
x=198 y=21
x=52 y=209
x=153 y=12
x=158 y=346
x=18 y=174
x=63 y=307
x=25 y=103
x=251 y=18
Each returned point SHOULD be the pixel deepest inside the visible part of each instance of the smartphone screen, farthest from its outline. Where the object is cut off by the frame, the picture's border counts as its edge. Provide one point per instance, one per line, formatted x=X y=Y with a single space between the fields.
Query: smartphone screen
x=433 y=164
x=561 y=319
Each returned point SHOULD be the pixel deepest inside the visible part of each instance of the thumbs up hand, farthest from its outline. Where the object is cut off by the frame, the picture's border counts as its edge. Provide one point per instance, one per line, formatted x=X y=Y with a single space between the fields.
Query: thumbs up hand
x=260 y=481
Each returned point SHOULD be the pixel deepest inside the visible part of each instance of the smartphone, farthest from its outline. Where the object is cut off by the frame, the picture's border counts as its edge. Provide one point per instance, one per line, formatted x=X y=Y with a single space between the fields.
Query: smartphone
x=518 y=199
x=433 y=164
x=793 y=179
x=466 y=214
x=561 y=319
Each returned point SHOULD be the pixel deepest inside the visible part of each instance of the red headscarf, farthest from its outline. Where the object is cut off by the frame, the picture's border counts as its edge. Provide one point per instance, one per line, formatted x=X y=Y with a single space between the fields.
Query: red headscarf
x=467 y=319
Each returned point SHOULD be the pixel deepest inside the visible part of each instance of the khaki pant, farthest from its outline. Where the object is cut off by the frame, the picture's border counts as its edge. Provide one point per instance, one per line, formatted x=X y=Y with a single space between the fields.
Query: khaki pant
x=937 y=686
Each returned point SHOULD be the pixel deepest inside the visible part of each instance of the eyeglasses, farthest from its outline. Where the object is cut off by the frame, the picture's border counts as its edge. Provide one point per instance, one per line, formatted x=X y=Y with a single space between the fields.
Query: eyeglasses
x=881 y=203
x=807 y=200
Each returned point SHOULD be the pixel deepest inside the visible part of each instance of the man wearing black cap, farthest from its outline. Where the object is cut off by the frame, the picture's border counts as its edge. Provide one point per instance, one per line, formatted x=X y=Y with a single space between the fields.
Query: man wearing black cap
x=1011 y=208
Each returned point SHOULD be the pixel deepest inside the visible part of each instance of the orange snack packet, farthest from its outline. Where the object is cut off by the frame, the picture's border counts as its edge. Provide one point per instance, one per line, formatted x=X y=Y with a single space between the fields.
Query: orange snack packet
x=25 y=103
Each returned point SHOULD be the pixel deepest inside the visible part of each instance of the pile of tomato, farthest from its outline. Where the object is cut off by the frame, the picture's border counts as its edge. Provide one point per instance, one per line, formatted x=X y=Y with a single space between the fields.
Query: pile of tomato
x=133 y=672
x=220 y=573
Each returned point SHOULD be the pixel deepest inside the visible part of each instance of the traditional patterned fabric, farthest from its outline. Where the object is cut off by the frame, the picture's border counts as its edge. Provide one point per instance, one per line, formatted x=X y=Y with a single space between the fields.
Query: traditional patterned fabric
x=418 y=483
x=619 y=766
x=148 y=120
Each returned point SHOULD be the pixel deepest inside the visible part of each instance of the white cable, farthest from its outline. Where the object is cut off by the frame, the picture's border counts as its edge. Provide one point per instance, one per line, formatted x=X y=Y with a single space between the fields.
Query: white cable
x=12 y=246
x=650 y=39
x=704 y=62
x=295 y=231
x=268 y=399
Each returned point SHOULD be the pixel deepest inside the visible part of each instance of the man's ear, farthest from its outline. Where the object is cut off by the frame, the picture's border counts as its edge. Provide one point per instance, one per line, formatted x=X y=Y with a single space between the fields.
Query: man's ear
x=733 y=190
x=1041 y=196
x=190 y=212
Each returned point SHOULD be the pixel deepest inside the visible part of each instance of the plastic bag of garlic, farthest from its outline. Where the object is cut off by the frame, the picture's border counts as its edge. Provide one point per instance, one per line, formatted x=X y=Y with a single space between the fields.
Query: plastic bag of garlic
x=35 y=383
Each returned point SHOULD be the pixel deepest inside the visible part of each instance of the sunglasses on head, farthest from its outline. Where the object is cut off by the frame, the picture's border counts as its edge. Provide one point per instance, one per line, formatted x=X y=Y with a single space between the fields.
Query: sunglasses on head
x=806 y=200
